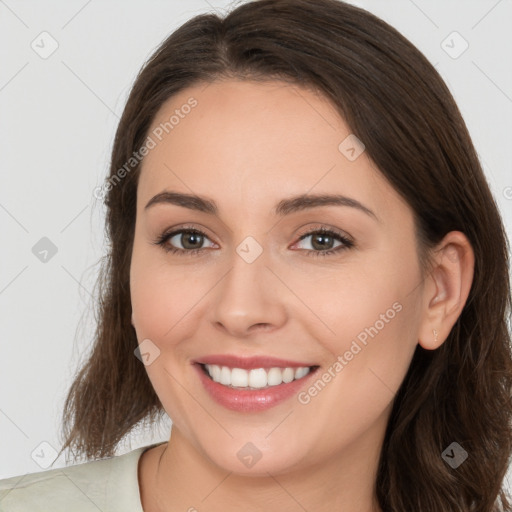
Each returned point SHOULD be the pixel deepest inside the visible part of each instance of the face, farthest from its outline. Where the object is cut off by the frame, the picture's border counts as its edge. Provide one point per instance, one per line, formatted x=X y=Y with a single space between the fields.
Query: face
x=266 y=282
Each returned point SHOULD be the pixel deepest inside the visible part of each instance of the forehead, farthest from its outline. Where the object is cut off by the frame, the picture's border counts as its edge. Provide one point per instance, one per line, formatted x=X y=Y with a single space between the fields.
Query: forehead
x=249 y=144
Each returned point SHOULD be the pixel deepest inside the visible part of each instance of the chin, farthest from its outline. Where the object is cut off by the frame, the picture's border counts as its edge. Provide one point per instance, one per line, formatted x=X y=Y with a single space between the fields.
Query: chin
x=245 y=459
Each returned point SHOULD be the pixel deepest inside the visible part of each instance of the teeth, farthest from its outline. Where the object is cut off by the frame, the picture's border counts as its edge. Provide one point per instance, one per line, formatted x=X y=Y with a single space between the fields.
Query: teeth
x=257 y=377
x=301 y=372
x=239 y=378
x=254 y=379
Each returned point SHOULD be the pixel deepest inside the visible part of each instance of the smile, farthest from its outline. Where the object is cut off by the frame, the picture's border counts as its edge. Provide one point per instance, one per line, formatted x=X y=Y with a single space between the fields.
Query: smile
x=241 y=392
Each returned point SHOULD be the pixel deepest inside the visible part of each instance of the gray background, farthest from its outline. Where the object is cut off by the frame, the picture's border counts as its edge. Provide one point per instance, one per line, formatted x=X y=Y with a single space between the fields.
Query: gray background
x=58 y=117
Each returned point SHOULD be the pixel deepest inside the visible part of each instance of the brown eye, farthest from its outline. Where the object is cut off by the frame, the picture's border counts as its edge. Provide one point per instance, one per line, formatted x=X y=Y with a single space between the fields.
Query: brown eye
x=191 y=241
x=322 y=241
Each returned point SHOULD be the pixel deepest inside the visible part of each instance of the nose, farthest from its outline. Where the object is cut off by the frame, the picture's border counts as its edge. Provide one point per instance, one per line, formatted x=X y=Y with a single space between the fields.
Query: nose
x=249 y=298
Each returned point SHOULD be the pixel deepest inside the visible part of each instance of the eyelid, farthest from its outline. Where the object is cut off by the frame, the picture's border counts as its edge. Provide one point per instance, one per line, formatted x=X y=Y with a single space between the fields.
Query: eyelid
x=167 y=233
x=310 y=229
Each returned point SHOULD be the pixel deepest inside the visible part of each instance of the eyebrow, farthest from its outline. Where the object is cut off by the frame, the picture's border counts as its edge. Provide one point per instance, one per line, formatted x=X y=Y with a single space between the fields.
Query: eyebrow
x=283 y=207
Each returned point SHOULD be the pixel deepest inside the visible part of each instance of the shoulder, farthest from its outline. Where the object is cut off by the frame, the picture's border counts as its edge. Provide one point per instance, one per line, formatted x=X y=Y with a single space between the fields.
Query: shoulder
x=107 y=484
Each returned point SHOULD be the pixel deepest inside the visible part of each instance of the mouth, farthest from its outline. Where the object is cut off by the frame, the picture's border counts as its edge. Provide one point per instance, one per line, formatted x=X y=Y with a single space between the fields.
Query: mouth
x=255 y=378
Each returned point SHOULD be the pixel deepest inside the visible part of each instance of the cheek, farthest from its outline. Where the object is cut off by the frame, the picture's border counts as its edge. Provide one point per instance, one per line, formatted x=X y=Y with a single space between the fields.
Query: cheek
x=369 y=354
x=161 y=298
x=369 y=318
x=161 y=294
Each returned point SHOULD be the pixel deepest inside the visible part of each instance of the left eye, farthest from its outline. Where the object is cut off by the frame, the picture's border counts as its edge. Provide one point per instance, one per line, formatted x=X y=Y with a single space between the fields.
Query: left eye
x=322 y=240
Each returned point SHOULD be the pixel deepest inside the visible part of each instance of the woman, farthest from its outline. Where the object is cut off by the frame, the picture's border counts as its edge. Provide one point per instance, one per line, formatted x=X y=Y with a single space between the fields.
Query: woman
x=307 y=273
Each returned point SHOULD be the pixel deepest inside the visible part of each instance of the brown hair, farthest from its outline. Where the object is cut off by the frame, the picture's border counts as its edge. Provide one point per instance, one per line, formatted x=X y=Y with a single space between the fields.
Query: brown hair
x=398 y=105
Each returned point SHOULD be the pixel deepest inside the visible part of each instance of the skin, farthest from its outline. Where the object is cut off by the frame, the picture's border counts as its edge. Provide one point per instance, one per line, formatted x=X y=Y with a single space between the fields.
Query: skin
x=247 y=145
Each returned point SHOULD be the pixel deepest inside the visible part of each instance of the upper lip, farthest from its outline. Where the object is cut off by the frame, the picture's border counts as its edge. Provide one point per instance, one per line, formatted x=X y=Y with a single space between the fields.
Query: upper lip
x=248 y=363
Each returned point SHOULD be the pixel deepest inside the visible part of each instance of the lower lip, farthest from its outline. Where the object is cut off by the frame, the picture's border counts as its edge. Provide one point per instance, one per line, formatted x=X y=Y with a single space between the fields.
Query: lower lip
x=245 y=400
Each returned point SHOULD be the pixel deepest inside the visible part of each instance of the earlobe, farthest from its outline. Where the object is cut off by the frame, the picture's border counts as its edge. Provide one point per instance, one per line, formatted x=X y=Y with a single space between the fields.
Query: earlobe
x=447 y=289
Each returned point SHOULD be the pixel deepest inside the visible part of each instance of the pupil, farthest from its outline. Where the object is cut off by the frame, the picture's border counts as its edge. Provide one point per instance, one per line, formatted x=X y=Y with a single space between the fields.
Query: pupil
x=323 y=243
x=193 y=236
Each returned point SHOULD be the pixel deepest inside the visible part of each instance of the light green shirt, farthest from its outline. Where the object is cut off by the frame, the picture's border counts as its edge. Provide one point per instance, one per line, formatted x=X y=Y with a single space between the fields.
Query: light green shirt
x=106 y=485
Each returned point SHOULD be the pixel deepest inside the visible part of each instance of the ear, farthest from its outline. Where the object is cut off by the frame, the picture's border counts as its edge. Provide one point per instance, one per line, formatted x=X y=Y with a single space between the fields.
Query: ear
x=446 y=289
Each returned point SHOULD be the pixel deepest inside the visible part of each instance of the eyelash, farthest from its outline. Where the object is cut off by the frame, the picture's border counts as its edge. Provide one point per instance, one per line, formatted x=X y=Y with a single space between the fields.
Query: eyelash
x=162 y=239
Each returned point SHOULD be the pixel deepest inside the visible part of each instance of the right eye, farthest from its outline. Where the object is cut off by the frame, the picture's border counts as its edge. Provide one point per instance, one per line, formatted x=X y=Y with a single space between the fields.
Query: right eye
x=185 y=237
